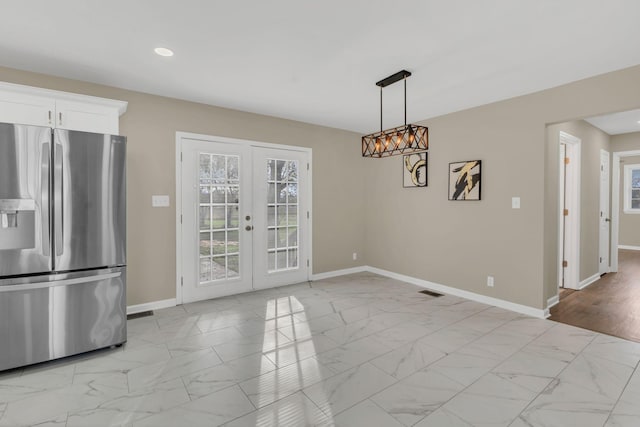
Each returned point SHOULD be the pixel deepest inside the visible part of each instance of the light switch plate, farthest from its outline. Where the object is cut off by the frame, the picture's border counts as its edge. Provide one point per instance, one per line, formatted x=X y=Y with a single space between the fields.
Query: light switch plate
x=160 y=201
x=515 y=202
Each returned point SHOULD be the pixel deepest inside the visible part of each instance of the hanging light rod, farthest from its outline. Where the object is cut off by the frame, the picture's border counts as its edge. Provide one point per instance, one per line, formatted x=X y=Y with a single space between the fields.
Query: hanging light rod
x=402 y=139
x=394 y=78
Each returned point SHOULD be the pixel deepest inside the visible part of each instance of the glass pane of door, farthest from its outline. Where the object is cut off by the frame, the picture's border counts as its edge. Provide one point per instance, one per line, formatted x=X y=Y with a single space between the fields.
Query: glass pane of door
x=282 y=214
x=218 y=217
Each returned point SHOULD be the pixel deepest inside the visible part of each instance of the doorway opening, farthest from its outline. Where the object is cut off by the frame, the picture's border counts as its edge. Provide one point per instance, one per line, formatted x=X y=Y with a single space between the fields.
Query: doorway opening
x=623 y=184
x=607 y=298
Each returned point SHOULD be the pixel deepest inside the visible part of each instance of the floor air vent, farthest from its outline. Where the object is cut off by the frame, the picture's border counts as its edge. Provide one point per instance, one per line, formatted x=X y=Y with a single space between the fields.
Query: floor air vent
x=138 y=315
x=431 y=293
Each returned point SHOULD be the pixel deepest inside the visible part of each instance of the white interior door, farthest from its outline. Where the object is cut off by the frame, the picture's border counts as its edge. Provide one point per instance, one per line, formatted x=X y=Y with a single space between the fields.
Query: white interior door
x=245 y=221
x=216 y=199
x=569 y=190
x=562 y=189
x=604 y=212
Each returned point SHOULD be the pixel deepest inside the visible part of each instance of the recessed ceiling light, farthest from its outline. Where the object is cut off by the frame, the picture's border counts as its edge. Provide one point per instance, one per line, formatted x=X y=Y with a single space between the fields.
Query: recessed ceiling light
x=163 y=51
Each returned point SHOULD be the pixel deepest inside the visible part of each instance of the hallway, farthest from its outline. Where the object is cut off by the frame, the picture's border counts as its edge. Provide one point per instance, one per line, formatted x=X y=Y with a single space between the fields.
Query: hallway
x=610 y=306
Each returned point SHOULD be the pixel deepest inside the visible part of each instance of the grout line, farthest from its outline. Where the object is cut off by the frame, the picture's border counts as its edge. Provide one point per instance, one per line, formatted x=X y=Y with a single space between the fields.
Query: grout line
x=558 y=374
x=431 y=309
x=635 y=370
x=247 y=396
x=330 y=417
x=382 y=354
x=454 y=351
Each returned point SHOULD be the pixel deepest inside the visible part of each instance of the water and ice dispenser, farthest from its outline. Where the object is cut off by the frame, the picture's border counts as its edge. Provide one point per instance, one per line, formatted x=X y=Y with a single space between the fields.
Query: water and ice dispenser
x=17 y=223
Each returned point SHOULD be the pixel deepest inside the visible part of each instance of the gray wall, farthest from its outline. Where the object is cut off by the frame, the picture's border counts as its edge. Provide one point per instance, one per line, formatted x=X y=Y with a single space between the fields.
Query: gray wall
x=418 y=232
x=150 y=124
x=629 y=223
x=625 y=142
x=360 y=205
x=593 y=140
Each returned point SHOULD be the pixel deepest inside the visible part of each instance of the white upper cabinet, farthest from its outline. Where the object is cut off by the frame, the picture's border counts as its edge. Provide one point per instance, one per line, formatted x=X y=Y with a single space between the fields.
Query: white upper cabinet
x=62 y=110
x=86 y=117
x=26 y=109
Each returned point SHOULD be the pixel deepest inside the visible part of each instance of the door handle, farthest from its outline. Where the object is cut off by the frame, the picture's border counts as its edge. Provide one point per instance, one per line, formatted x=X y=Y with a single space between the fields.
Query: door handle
x=45 y=197
x=607 y=219
x=58 y=198
x=248 y=228
x=55 y=283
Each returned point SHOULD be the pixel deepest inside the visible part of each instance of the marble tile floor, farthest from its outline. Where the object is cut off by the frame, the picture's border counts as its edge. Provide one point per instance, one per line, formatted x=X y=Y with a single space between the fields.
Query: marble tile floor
x=358 y=350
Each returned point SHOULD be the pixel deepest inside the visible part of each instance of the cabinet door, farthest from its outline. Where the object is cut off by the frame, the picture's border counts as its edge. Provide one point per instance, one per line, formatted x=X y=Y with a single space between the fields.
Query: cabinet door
x=25 y=109
x=84 y=117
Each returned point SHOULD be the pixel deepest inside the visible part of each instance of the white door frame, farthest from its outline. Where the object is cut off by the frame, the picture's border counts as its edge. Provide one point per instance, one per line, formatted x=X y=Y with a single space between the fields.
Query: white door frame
x=615 y=204
x=189 y=135
x=605 y=196
x=573 y=146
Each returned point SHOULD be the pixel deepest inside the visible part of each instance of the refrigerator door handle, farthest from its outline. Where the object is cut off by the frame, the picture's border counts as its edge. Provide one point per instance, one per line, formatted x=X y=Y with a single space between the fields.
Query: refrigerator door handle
x=58 y=191
x=45 y=197
x=63 y=282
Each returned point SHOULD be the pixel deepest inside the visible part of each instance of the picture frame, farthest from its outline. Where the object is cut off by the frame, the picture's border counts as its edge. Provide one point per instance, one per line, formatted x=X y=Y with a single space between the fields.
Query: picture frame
x=415 y=170
x=465 y=180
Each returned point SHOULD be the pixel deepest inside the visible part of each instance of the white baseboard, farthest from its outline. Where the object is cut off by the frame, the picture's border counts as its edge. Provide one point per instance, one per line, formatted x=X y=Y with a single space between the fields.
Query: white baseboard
x=154 y=305
x=589 y=280
x=337 y=273
x=629 y=248
x=554 y=300
x=518 y=308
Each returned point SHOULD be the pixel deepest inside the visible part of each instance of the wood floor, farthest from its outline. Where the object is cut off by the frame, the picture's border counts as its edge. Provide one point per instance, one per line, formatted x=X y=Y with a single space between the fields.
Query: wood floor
x=611 y=305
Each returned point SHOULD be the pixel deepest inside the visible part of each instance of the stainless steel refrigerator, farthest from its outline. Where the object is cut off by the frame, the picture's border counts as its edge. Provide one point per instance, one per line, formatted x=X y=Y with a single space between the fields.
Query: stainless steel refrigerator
x=62 y=243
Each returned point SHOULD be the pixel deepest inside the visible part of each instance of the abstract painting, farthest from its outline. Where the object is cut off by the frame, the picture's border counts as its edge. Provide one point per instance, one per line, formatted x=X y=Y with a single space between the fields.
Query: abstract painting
x=414 y=170
x=464 y=180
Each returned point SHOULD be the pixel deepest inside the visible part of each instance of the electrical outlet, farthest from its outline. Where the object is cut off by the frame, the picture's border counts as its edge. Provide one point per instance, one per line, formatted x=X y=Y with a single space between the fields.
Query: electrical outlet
x=355 y=256
x=490 y=281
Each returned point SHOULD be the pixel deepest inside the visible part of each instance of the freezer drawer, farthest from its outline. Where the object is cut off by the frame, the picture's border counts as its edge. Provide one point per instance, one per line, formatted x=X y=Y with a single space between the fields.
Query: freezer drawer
x=62 y=315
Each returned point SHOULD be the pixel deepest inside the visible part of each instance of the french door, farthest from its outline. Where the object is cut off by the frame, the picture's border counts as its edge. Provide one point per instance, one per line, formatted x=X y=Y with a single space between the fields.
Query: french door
x=245 y=216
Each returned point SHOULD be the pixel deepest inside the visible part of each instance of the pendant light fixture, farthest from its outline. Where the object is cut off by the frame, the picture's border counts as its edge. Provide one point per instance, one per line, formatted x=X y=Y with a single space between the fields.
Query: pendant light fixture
x=402 y=139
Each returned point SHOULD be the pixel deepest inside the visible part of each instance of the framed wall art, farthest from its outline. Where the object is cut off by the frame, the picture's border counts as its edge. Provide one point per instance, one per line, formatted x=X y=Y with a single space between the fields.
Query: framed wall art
x=465 y=180
x=414 y=170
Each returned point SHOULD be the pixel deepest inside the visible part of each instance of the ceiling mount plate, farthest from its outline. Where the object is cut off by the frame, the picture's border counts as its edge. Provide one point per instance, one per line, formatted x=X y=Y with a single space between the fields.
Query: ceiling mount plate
x=393 y=78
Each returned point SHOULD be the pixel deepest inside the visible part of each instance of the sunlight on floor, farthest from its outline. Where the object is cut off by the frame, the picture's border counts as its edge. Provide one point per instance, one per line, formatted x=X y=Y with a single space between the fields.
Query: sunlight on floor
x=289 y=314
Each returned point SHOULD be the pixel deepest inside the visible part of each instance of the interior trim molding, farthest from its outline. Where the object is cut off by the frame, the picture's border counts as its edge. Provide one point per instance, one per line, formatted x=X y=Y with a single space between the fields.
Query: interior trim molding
x=507 y=305
x=154 y=305
x=615 y=205
x=518 y=308
x=629 y=248
x=553 y=301
x=337 y=273
x=589 y=280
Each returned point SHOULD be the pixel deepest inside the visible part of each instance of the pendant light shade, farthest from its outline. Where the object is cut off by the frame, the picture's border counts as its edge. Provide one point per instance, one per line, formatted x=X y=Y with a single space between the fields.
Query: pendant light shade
x=408 y=138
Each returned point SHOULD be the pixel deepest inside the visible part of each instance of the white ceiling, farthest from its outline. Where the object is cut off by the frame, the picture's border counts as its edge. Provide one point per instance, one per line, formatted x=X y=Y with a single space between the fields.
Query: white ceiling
x=617 y=123
x=318 y=61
